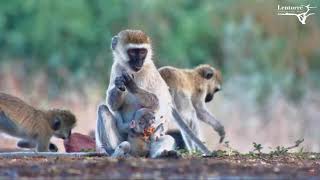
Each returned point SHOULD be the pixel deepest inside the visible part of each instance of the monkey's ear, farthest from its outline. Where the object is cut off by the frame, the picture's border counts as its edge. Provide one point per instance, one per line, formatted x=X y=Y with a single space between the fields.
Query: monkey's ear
x=56 y=124
x=207 y=73
x=114 y=42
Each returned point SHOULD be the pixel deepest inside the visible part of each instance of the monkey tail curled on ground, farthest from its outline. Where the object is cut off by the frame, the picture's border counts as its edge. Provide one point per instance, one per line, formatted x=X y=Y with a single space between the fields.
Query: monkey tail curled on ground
x=34 y=126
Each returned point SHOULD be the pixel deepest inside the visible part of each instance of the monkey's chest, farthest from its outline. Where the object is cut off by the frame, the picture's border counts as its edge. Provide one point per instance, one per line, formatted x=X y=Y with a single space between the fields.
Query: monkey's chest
x=129 y=107
x=139 y=146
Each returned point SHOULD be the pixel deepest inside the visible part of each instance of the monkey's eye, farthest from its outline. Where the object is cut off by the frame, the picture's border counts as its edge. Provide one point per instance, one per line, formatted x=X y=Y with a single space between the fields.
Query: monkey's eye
x=56 y=124
x=143 y=52
x=131 y=52
x=209 y=75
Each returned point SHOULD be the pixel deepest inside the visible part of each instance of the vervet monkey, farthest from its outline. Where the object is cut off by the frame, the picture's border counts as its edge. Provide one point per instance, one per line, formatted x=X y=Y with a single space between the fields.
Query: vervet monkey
x=34 y=126
x=191 y=89
x=143 y=133
x=133 y=54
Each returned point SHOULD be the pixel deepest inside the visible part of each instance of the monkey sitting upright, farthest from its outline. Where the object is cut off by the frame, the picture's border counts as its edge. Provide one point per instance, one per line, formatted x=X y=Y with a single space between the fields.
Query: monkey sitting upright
x=142 y=121
x=191 y=89
x=132 y=53
x=34 y=126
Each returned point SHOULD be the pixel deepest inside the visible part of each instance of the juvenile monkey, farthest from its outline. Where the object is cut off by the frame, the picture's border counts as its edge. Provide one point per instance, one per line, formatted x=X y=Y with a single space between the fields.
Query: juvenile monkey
x=191 y=89
x=142 y=132
x=133 y=54
x=34 y=126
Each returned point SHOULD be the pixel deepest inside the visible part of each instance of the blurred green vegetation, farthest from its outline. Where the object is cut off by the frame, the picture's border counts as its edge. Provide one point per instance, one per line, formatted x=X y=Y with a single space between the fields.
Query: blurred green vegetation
x=243 y=38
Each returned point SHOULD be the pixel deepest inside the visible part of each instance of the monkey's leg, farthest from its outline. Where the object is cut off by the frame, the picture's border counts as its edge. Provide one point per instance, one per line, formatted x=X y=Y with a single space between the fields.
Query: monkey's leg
x=196 y=129
x=163 y=144
x=205 y=116
x=24 y=143
x=43 y=144
x=122 y=151
x=186 y=129
x=192 y=122
x=106 y=135
x=187 y=142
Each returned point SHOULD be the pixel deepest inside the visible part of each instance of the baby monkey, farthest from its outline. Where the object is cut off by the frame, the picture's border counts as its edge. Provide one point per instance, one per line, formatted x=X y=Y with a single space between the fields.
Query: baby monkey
x=143 y=132
x=35 y=127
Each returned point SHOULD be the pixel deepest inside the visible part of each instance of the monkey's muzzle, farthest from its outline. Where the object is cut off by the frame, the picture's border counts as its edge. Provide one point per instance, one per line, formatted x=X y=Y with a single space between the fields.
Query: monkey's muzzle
x=208 y=98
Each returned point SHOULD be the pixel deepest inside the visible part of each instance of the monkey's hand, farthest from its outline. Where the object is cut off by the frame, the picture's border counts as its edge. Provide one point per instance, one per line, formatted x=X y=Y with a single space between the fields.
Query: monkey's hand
x=129 y=82
x=119 y=83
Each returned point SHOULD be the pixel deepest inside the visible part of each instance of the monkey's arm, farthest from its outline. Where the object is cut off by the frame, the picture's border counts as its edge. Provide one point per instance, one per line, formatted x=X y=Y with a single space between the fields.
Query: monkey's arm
x=115 y=98
x=146 y=99
x=183 y=126
x=24 y=143
x=204 y=115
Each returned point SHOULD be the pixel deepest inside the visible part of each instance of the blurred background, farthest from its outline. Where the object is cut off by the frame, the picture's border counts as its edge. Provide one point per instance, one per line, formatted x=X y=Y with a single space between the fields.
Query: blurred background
x=55 y=54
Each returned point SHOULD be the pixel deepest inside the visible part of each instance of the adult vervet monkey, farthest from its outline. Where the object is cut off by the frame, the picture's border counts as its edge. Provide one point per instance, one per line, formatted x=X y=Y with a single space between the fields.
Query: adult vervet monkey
x=191 y=89
x=133 y=54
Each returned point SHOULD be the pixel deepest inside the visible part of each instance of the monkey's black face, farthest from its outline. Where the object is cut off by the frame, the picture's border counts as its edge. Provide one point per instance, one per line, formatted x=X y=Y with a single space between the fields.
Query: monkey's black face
x=209 y=97
x=137 y=57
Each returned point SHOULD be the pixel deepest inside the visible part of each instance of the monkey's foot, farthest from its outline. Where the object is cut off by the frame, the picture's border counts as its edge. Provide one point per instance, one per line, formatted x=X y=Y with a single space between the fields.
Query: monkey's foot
x=53 y=148
x=169 y=154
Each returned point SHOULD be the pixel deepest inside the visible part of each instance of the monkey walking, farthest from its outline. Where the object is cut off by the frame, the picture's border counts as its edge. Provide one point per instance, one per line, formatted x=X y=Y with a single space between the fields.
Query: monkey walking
x=191 y=89
x=34 y=126
x=132 y=53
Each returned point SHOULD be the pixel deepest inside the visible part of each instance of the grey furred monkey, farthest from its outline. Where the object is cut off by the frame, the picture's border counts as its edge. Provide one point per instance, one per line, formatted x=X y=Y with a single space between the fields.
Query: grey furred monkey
x=191 y=89
x=133 y=54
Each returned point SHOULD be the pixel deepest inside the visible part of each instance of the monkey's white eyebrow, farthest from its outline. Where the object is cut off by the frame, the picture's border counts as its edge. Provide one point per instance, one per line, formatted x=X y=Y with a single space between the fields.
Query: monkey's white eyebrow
x=144 y=45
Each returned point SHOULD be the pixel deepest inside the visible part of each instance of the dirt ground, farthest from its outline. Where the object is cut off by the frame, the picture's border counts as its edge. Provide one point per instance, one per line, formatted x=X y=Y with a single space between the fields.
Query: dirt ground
x=262 y=166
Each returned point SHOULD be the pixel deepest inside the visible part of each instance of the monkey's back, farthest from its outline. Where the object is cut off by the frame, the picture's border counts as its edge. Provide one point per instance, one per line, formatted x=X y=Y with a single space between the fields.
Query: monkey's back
x=27 y=119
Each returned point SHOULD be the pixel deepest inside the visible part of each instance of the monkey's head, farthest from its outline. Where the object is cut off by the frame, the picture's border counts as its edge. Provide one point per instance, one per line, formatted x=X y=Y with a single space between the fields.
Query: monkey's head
x=132 y=49
x=143 y=119
x=62 y=122
x=211 y=80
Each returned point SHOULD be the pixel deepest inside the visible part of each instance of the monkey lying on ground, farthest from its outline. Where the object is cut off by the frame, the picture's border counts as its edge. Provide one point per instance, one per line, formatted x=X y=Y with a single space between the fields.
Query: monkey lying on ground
x=34 y=126
x=191 y=89
x=132 y=53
